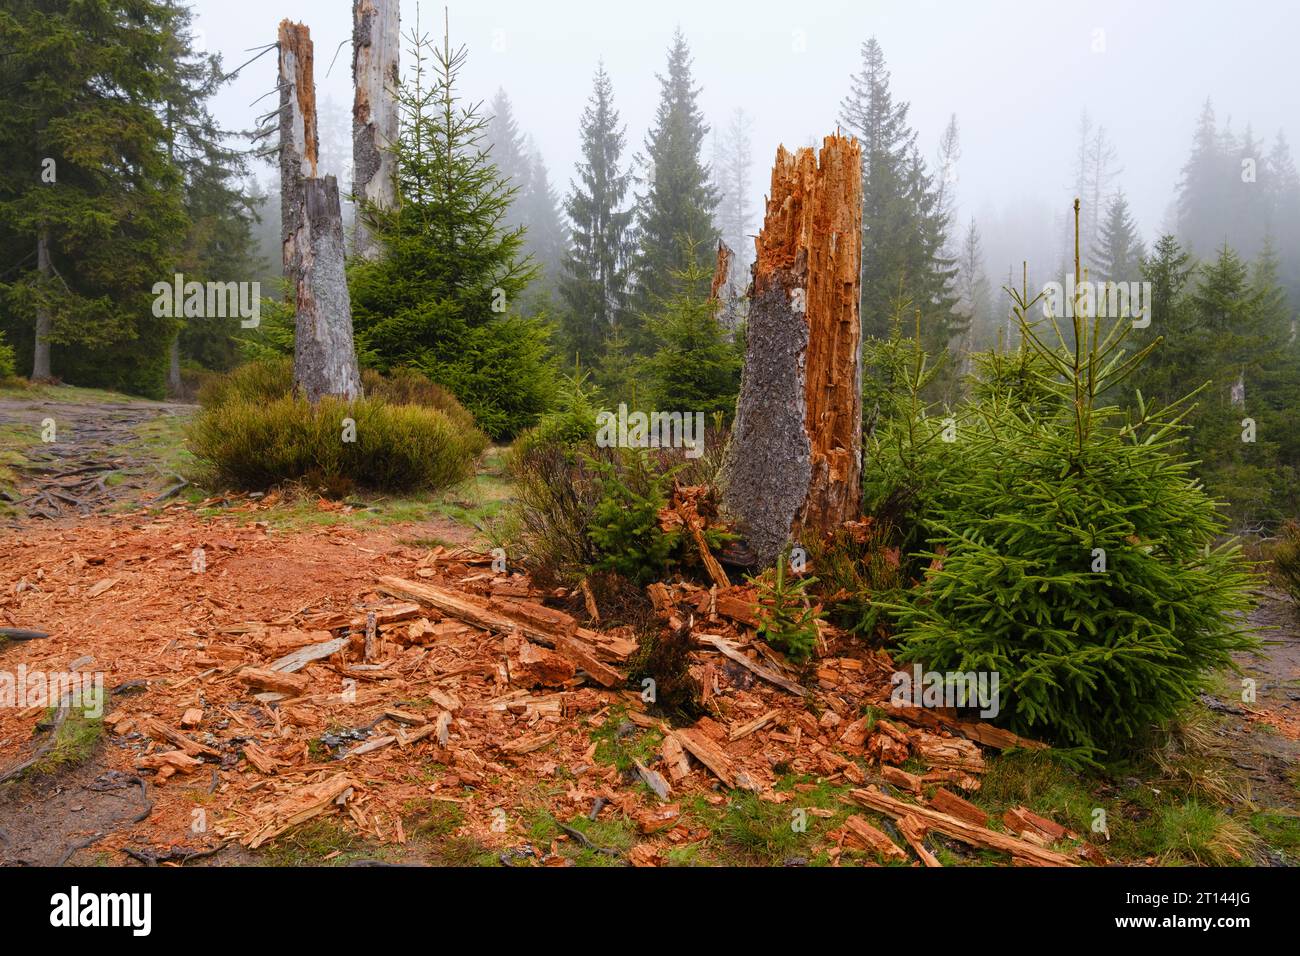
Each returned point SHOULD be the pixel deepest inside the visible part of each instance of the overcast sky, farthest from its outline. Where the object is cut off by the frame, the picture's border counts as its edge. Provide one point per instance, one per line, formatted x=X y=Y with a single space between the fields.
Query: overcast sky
x=1016 y=74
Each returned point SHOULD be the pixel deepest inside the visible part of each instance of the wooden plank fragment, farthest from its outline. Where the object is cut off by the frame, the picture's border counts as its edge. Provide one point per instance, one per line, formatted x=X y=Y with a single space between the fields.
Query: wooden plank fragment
x=914 y=832
x=736 y=609
x=745 y=729
x=503 y=621
x=861 y=835
x=945 y=801
x=698 y=745
x=262 y=761
x=654 y=780
x=716 y=573
x=264 y=679
x=297 y=660
x=983 y=837
x=298 y=807
x=675 y=757
x=901 y=778
x=730 y=651
x=158 y=730
x=981 y=733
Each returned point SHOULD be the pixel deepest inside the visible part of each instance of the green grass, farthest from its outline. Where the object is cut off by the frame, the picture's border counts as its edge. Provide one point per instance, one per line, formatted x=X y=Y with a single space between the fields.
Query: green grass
x=162 y=441
x=22 y=391
x=76 y=740
x=1169 y=804
x=474 y=504
x=1280 y=831
x=612 y=832
x=623 y=748
x=14 y=440
x=311 y=843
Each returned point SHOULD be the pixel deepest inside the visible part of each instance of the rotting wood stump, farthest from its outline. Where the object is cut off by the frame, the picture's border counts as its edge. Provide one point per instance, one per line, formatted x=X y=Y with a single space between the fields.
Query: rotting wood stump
x=311 y=223
x=794 y=465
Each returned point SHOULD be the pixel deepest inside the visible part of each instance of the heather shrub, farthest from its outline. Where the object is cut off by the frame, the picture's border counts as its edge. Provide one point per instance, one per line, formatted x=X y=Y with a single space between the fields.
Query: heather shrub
x=1286 y=560
x=252 y=433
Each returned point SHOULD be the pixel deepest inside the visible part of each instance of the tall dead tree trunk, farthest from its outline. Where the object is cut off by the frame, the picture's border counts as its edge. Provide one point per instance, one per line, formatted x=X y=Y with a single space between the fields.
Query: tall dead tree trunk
x=44 y=321
x=311 y=224
x=375 y=44
x=793 y=468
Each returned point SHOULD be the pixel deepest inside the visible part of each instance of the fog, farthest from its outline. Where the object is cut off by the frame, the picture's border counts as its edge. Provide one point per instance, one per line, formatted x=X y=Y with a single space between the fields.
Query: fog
x=1016 y=74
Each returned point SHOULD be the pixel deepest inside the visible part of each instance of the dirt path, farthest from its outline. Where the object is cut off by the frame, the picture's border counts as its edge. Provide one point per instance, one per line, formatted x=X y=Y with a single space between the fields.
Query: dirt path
x=1264 y=733
x=94 y=463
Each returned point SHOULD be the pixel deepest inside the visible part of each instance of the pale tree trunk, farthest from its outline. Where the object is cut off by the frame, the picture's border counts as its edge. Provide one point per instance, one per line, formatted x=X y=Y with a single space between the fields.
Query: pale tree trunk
x=375 y=44
x=794 y=465
x=324 y=356
x=311 y=223
x=44 y=321
x=174 y=366
x=299 y=143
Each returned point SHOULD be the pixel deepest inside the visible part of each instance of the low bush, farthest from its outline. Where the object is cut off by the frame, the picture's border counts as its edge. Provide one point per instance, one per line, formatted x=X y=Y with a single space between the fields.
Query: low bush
x=408 y=386
x=1286 y=560
x=7 y=367
x=252 y=433
x=787 y=618
x=579 y=508
x=664 y=656
x=860 y=572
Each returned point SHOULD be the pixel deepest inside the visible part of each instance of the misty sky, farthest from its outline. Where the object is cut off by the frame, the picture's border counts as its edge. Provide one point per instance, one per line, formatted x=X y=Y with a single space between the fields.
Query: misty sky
x=1016 y=74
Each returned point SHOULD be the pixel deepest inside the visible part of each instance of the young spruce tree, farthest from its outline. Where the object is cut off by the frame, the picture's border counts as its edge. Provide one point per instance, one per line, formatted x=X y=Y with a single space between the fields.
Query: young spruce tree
x=445 y=295
x=1074 y=555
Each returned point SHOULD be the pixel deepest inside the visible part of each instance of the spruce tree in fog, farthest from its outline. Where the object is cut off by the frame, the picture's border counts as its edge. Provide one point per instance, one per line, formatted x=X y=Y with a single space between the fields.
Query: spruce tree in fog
x=903 y=228
x=675 y=210
x=594 y=284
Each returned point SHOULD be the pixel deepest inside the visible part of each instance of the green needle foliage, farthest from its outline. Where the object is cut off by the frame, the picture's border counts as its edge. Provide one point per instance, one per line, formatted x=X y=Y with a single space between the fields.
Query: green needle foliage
x=1074 y=554
x=624 y=527
x=444 y=298
x=787 y=619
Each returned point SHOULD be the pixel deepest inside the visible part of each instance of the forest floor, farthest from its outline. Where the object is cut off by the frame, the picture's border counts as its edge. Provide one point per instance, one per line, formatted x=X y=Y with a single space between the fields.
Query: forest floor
x=518 y=778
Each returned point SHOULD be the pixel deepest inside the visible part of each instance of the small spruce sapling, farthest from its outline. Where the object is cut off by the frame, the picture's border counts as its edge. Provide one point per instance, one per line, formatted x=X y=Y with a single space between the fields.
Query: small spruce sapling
x=787 y=619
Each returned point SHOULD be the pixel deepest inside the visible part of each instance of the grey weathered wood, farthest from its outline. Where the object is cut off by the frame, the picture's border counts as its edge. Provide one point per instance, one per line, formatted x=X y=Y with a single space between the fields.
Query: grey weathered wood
x=299 y=143
x=375 y=46
x=311 y=222
x=324 y=355
x=297 y=660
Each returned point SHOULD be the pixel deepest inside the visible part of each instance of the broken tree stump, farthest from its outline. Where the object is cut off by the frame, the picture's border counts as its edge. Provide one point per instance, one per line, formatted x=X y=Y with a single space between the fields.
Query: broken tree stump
x=794 y=465
x=725 y=294
x=375 y=34
x=311 y=224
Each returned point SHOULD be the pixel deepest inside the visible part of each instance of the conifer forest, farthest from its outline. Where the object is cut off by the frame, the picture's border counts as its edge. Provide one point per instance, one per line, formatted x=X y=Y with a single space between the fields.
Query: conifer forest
x=752 y=437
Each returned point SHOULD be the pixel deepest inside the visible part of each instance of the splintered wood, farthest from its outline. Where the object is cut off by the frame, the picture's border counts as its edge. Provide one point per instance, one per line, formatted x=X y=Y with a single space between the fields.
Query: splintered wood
x=375 y=694
x=794 y=462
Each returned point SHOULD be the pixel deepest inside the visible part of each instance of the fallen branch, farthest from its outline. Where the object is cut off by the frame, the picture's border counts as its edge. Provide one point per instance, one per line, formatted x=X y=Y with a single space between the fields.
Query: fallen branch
x=959 y=829
x=730 y=651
